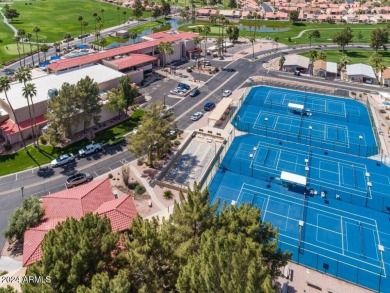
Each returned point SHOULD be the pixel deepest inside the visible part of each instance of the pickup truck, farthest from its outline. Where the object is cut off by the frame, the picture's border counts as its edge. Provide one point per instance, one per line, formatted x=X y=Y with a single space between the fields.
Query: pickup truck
x=90 y=149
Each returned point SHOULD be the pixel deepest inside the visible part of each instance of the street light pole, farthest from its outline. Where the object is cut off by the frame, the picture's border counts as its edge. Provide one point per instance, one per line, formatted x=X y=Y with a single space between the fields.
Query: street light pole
x=360 y=139
x=164 y=101
x=22 y=189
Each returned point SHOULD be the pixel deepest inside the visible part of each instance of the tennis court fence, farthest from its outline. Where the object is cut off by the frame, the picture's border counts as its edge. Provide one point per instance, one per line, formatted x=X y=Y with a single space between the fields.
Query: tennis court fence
x=325 y=144
x=370 y=114
x=348 y=117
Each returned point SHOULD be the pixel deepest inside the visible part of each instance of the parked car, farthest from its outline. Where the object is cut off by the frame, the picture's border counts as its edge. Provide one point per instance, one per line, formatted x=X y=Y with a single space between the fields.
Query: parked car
x=177 y=91
x=183 y=86
x=206 y=63
x=167 y=112
x=209 y=106
x=77 y=179
x=297 y=73
x=369 y=81
x=62 y=160
x=90 y=149
x=196 y=116
x=194 y=93
x=226 y=93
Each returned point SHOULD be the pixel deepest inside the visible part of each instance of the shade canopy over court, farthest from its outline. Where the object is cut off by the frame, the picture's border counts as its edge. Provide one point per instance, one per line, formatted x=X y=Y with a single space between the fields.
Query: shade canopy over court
x=293 y=179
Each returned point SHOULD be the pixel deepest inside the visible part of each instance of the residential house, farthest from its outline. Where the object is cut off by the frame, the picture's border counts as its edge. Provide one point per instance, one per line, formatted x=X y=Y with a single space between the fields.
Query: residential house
x=95 y=197
x=325 y=69
x=295 y=62
x=361 y=73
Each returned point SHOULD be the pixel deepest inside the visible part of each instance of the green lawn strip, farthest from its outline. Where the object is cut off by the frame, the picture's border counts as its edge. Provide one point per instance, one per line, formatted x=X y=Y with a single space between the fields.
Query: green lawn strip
x=20 y=160
x=57 y=17
x=110 y=40
x=146 y=26
x=327 y=30
x=356 y=56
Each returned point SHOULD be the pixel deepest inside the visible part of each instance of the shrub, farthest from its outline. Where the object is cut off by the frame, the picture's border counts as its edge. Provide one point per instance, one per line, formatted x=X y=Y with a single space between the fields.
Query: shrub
x=8 y=147
x=387 y=117
x=125 y=174
x=42 y=140
x=133 y=185
x=176 y=143
x=140 y=190
x=289 y=39
x=168 y=194
x=383 y=111
x=140 y=162
x=110 y=175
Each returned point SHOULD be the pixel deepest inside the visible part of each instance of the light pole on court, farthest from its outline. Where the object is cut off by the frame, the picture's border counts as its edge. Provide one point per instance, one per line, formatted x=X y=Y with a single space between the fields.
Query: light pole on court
x=310 y=129
x=360 y=139
x=381 y=250
x=266 y=126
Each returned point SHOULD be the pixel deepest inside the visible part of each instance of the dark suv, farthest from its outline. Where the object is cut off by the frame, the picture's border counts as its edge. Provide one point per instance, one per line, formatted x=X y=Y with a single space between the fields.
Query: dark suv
x=194 y=93
x=209 y=106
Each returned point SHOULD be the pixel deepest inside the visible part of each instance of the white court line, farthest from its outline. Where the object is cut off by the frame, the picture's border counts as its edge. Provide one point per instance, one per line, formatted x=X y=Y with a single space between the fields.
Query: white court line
x=320 y=206
x=342 y=235
x=266 y=207
x=287 y=218
x=277 y=164
x=338 y=164
x=333 y=259
x=325 y=158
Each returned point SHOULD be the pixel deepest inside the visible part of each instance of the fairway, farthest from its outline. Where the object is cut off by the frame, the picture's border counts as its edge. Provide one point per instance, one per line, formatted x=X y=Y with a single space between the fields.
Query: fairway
x=56 y=17
x=327 y=31
x=356 y=56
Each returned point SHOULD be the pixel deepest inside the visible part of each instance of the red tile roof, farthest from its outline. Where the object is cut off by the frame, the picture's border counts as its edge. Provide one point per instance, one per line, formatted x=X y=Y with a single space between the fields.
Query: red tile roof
x=33 y=237
x=78 y=201
x=119 y=211
x=95 y=197
x=92 y=58
x=10 y=127
x=133 y=60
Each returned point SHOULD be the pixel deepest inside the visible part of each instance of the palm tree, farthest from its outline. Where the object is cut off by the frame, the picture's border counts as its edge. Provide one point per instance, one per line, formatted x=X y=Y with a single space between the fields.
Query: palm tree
x=102 y=42
x=22 y=34
x=281 y=62
x=17 y=40
x=102 y=12
x=94 y=15
x=28 y=37
x=56 y=46
x=67 y=37
x=23 y=75
x=166 y=49
x=124 y=18
x=29 y=91
x=375 y=59
x=117 y=10
x=85 y=24
x=207 y=30
x=321 y=55
x=380 y=68
x=252 y=39
x=313 y=54
x=344 y=60
x=37 y=30
x=5 y=87
x=133 y=36
x=276 y=40
x=44 y=49
x=80 y=18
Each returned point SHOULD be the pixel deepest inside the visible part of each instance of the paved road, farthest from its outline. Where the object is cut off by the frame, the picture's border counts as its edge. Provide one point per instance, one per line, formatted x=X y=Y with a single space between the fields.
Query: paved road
x=267 y=7
x=233 y=76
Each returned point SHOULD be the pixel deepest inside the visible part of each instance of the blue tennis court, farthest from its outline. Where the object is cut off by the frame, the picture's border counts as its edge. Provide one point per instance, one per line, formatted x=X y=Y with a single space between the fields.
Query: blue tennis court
x=337 y=220
x=328 y=122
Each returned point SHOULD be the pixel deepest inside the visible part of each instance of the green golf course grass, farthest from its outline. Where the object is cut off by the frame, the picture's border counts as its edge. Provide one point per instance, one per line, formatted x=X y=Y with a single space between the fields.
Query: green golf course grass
x=327 y=31
x=356 y=56
x=21 y=160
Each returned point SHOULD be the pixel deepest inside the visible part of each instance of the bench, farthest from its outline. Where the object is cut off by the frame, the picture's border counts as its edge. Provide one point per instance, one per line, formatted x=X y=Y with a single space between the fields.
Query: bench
x=313 y=285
